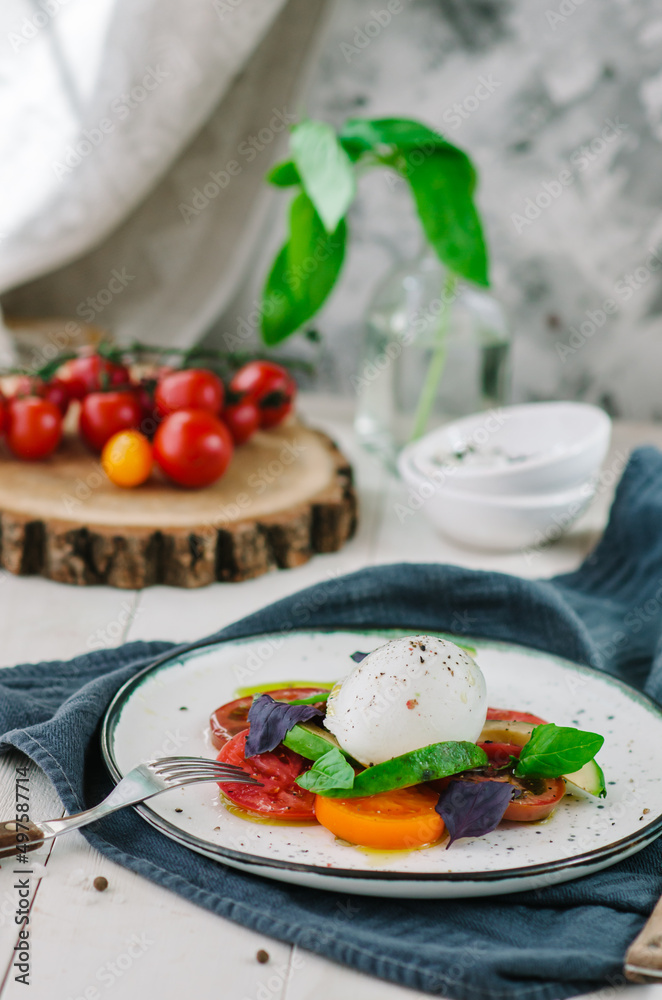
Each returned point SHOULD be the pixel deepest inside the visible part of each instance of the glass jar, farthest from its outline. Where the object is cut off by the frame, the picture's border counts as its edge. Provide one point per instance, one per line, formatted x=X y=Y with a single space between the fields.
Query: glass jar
x=434 y=350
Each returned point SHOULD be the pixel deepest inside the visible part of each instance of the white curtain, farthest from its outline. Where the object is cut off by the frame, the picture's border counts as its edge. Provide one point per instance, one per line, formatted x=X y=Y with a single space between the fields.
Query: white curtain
x=135 y=138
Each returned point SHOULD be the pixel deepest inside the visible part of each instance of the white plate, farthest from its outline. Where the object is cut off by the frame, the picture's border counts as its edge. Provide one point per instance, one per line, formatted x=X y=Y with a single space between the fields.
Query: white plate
x=165 y=710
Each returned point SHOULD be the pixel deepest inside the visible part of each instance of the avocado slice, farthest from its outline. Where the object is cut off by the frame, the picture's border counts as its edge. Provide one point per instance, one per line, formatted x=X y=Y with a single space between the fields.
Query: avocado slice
x=438 y=760
x=589 y=778
x=311 y=741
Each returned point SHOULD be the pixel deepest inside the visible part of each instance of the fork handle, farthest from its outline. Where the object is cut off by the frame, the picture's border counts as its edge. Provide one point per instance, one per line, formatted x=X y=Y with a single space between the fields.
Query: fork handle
x=643 y=961
x=15 y=836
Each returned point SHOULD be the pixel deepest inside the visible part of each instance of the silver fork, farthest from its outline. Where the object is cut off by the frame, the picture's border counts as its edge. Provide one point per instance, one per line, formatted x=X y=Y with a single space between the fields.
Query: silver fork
x=143 y=782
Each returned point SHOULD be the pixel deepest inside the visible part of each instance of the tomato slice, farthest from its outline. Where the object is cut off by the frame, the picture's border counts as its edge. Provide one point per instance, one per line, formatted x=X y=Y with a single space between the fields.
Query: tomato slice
x=402 y=819
x=279 y=797
x=511 y=715
x=499 y=754
x=232 y=718
x=538 y=799
x=533 y=799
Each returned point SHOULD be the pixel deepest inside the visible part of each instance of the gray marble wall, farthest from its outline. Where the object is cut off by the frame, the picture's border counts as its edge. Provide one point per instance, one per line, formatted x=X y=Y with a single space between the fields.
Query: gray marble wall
x=567 y=137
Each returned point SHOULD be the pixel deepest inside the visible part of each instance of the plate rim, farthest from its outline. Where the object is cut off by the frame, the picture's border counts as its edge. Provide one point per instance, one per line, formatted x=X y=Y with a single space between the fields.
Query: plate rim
x=646 y=834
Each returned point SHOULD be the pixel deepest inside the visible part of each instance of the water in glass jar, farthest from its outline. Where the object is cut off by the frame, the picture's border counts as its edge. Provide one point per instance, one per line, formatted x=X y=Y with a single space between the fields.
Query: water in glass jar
x=402 y=336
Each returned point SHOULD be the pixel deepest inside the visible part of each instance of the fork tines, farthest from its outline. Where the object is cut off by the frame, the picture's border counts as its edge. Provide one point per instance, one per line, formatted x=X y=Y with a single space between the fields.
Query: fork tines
x=185 y=770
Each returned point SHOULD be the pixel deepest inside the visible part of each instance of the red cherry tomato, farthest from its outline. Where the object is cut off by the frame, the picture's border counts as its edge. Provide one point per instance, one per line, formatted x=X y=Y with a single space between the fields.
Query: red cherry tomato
x=279 y=797
x=103 y=414
x=55 y=390
x=34 y=427
x=243 y=419
x=511 y=715
x=193 y=447
x=232 y=718
x=144 y=393
x=3 y=412
x=273 y=410
x=27 y=385
x=90 y=374
x=189 y=389
x=270 y=386
x=258 y=378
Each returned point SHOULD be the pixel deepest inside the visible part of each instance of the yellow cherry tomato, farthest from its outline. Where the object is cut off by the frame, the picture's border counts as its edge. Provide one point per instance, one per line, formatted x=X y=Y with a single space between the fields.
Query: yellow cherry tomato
x=127 y=458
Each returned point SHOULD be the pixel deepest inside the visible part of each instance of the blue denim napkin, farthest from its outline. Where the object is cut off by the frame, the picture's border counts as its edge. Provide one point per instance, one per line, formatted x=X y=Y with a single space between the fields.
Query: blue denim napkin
x=556 y=942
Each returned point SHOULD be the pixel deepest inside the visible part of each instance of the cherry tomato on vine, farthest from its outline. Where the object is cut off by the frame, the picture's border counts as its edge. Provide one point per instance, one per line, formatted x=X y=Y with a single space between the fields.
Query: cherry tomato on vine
x=243 y=419
x=103 y=414
x=257 y=379
x=26 y=385
x=90 y=374
x=190 y=388
x=144 y=393
x=127 y=458
x=55 y=390
x=34 y=427
x=273 y=410
x=270 y=386
x=193 y=447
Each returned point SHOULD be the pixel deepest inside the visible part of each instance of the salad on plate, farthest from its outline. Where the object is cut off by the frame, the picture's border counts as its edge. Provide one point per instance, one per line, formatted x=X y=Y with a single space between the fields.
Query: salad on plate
x=404 y=753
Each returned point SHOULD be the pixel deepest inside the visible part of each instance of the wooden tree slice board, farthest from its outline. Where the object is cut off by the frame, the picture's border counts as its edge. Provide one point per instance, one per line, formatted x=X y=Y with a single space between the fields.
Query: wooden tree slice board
x=287 y=494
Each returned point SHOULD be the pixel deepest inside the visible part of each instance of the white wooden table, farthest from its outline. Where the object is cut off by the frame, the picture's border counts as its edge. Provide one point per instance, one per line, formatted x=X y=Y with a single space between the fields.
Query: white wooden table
x=136 y=940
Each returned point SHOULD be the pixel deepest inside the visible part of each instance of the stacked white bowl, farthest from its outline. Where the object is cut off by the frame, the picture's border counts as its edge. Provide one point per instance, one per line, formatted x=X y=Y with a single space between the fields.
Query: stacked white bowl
x=510 y=478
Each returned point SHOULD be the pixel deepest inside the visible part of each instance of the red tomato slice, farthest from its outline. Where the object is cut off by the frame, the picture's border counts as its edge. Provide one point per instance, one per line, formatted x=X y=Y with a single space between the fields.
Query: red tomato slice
x=511 y=715
x=539 y=797
x=533 y=799
x=499 y=754
x=232 y=718
x=280 y=797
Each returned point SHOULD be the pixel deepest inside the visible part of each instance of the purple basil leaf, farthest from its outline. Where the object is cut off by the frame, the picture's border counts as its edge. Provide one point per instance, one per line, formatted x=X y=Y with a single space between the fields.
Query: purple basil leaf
x=270 y=720
x=473 y=808
x=357 y=657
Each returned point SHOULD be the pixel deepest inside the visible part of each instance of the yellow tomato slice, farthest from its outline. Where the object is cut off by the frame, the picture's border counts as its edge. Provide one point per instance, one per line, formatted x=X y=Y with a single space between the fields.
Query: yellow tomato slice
x=398 y=820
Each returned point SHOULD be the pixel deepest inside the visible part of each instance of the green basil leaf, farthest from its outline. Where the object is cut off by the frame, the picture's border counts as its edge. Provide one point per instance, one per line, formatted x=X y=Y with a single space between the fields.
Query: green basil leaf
x=354 y=148
x=368 y=133
x=556 y=750
x=284 y=174
x=303 y=273
x=331 y=770
x=442 y=183
x=281 y=314
x=325 y=169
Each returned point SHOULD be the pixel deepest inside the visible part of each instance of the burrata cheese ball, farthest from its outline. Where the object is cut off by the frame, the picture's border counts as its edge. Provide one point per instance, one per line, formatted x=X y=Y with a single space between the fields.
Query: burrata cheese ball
x=405 y=695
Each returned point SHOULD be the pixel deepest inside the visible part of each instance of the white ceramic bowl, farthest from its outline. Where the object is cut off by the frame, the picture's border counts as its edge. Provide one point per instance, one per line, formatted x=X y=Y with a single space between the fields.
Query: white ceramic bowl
x=536 y=448
x=499 y=523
